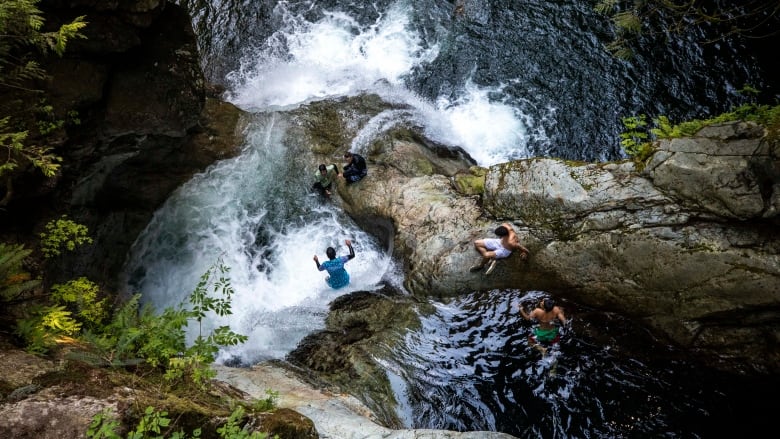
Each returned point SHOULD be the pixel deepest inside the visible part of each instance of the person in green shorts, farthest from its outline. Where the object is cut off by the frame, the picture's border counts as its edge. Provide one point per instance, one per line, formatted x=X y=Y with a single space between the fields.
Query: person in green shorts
x=546 y=333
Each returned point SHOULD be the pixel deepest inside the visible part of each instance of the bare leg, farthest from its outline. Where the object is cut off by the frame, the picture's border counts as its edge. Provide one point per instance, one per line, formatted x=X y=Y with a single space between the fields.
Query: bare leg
x=479 y=245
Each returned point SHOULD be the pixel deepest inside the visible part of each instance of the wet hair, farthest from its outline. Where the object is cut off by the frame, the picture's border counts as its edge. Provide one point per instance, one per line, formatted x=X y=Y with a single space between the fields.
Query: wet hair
x=331 y=252
x=323 y=167
x=548 y=304
x=347 y=155
x=501 y=231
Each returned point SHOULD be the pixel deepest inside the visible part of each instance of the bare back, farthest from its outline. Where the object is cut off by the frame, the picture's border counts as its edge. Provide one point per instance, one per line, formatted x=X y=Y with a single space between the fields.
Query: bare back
x=546 y=319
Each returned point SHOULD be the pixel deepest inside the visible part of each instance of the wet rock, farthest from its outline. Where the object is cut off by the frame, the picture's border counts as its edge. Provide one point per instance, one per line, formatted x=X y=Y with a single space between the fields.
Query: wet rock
x=689 y=250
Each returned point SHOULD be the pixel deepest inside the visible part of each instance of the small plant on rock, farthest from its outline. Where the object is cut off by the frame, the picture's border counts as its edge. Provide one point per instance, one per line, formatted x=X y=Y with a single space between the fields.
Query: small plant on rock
x=62 y=234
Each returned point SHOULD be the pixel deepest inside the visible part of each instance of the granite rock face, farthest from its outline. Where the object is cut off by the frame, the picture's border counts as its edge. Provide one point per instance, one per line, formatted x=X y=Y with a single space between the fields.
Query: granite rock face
x=689 y=245
x=146 y=126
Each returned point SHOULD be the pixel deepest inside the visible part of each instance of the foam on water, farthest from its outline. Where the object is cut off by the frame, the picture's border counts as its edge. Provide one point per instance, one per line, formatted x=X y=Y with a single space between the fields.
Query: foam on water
x=336 y=56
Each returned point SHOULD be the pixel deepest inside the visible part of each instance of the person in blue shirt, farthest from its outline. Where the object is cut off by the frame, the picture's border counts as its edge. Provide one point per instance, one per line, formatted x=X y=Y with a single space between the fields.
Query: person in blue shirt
x=338 y=276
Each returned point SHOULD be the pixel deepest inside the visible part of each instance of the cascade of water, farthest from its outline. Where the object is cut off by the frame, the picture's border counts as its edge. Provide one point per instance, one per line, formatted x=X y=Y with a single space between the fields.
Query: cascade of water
x=256 y=215
x=502 y=80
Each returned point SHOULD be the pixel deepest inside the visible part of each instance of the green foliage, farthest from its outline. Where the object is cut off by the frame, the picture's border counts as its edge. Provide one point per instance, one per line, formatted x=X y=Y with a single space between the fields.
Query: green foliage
x=57 y=319
x=747 y=18
x=196 y=361
x=75 y=305
x=137 y=334
x=22 y=46
x=82 y=293
x=153 y=424
x=17 y=151
x=267 y=404
x=157 y=425
x=153 y=421
x=63 y=233
x=37 y=339
x=637 y=139
x=47 y=122
x=160 y=340
x=628 y=21
x=104 y=426
x=14 y=281
x=45 y=327
x=233 y=430
x=194 y=368
x=21 y=37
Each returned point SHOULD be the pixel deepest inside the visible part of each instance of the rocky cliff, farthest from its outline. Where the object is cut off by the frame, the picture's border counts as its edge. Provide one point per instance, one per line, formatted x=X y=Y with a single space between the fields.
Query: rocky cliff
x=689 y=244
x=146 y=126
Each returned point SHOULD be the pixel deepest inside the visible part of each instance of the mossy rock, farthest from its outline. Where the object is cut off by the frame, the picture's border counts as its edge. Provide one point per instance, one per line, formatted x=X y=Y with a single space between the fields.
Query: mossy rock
x=288 y=424
x=471 y=183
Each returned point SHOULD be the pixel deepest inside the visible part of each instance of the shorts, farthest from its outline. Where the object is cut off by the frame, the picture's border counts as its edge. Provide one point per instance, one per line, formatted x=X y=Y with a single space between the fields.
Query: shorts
x=494 y=244
x=546 y=335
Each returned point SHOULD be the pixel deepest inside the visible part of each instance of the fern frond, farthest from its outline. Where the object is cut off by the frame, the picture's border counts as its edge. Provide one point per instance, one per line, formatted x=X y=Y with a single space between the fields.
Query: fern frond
x=628 y=21
x=605 y=6
x=17 y=290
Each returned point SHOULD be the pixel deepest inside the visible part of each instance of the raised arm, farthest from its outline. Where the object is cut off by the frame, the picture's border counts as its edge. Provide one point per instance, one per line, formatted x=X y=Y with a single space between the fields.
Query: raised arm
x=351 y=250
x=524 y=313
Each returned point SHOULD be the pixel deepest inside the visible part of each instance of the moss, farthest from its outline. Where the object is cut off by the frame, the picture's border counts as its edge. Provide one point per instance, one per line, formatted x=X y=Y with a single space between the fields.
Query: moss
x=576 y=177
x=543 y=215
x=574 y=163
x=422 y=166
x=5 y=389
x=327 y=131
x=288 y=424
x=471 y=183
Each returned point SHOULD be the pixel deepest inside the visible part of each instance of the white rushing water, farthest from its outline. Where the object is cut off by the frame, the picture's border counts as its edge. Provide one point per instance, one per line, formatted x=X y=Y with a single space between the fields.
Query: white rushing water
x=266 y=229
x=337 y=56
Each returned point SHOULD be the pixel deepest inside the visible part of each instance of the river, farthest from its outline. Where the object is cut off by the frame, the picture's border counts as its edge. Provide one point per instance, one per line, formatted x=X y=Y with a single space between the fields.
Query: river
x=502 y=80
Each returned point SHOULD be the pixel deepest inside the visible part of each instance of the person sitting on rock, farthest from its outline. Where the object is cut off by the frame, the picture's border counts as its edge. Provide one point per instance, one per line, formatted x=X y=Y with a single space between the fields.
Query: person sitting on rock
x=355 y=169
x=338 y=276
x=492 y=249
x=325 y=176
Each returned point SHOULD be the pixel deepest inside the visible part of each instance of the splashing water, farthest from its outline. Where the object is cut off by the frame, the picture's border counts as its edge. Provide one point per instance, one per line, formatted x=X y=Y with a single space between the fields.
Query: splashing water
x=254 y=213
x=337 y=56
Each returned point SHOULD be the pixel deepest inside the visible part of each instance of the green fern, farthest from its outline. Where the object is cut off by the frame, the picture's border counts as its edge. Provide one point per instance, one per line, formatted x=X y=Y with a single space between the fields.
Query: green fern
x=59 y=320
x=82 y=294
x=14 y=281
x=605 y=6
x=628 y=21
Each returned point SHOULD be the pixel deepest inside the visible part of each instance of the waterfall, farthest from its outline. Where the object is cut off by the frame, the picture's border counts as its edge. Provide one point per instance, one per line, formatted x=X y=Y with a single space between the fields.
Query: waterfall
x=501 y=80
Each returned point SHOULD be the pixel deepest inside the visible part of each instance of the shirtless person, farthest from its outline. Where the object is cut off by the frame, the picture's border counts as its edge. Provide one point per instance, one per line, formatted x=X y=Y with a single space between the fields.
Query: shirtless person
x=546 y=332
x=498 y=248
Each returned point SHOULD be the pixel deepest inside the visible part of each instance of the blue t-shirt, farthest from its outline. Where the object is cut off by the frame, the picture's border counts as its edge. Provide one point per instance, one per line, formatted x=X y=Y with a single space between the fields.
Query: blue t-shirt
x=338 y=275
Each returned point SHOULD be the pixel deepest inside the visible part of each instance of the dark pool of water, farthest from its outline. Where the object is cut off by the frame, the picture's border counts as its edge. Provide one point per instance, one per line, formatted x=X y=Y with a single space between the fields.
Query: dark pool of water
x=470 y=368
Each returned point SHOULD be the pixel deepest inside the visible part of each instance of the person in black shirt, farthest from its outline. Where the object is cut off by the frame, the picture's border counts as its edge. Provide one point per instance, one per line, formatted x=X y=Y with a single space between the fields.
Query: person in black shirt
x=355 y=169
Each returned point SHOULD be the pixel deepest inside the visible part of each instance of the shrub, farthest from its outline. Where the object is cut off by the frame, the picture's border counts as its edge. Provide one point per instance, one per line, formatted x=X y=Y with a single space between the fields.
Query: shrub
x=61 y=234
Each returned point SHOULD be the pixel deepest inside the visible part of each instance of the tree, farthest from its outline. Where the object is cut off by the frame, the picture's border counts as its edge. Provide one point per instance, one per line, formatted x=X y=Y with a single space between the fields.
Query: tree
x=23 y=44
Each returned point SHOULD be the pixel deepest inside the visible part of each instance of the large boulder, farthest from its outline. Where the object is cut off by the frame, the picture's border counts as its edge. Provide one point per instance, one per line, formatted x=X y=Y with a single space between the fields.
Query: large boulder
x=725 y=170
x=696 y=258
